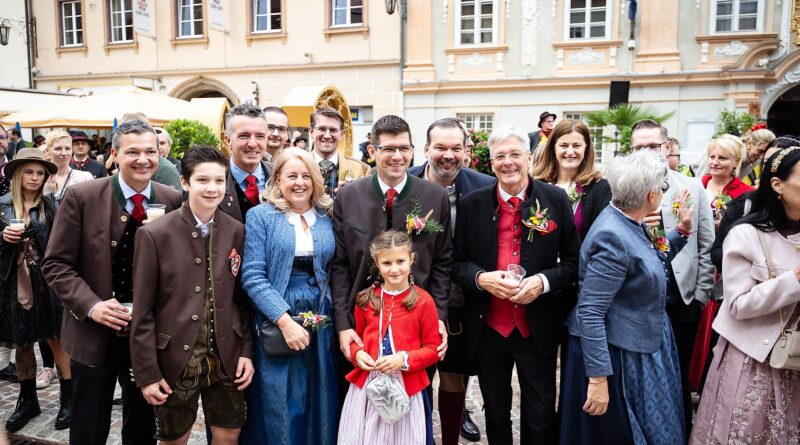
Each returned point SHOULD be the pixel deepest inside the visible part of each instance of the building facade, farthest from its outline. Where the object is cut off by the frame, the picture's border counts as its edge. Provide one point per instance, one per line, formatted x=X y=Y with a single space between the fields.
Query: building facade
x=14 y=69
x=496 y=62
x=244 y=50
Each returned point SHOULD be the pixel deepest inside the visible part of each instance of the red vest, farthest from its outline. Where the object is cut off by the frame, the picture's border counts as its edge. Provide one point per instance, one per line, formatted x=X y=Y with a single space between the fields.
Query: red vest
x=503 y=316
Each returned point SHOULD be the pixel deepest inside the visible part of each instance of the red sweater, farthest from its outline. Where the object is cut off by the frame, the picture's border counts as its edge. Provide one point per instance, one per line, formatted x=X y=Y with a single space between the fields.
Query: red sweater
x=415 y=332
x=734 y=188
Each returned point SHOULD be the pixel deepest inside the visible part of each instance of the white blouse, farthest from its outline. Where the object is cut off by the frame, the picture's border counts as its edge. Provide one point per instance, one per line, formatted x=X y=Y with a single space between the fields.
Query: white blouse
x=304 y=242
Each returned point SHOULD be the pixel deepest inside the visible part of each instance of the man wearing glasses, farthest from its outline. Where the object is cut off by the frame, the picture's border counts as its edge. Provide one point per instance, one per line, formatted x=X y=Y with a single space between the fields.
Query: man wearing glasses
x=325 y=132
x=384 y=201
x=246 y=131
x=691 y=272
x=277 y=132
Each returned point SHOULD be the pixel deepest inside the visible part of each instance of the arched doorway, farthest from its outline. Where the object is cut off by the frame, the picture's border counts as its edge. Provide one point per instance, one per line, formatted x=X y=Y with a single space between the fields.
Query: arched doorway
x=204 y=87
x=782 y=116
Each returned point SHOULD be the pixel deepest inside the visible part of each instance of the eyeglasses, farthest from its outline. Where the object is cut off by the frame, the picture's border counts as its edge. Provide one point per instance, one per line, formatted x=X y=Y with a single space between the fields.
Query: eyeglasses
x=673 y=156
x=388 y=149
x=664 y=186
x=655 y=146
x=332 y=131
x=513 y=156
x=3 y=137
x=271 y=129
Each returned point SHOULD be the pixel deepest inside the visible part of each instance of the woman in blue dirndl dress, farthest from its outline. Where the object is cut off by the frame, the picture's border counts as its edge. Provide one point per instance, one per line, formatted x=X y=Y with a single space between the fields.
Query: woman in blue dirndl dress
x=293 y=399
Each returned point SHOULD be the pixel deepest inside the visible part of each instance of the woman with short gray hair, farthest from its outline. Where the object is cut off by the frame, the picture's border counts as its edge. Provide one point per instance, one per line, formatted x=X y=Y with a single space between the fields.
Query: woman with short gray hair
x=620 y=337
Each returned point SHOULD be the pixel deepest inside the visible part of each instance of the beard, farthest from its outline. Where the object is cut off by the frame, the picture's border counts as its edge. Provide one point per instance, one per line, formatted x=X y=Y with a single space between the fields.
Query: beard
x=440 y=172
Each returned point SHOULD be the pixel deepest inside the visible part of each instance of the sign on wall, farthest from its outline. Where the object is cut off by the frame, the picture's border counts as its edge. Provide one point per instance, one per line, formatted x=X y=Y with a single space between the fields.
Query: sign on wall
x=143 y=17
x=216 y=14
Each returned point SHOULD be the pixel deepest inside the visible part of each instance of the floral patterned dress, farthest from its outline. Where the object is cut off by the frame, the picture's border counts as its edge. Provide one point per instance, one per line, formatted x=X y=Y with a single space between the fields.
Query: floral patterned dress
x=748 y=402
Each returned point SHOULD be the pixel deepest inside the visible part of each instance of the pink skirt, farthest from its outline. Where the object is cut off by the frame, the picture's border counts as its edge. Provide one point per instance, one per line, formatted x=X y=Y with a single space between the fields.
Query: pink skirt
x=360 y=423
x=747 y=402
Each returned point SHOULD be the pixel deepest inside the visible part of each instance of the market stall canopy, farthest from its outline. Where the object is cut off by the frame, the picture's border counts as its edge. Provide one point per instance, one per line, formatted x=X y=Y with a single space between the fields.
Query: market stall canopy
x=210 y=111
x=300 y=102
x=99 y=110
x=19 y=99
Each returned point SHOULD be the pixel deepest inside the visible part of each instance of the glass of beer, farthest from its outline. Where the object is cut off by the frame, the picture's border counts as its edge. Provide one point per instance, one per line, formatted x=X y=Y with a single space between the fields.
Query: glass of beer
x=126 y=331
x=155 y=211
x=17 y=224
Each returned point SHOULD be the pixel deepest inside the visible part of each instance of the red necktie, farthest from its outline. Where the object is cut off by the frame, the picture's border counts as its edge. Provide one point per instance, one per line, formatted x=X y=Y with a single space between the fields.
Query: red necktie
x=390 y=195
x=251 y=192
x=80 y=164
x=138 y=208
x=514 y=201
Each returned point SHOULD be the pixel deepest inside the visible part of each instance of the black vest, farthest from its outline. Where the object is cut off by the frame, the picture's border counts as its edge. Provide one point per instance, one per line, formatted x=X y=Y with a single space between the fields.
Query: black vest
x=122 y=264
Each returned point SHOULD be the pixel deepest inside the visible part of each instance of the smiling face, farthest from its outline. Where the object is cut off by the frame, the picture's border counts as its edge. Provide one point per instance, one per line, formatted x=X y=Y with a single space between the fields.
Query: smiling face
x=755 y=150
x=446 y=152
x=510 y=164
x=137 y=156
x=248 y=141
x=61 y=152
x=33 y=176
x=325 y=133
x=392 y=165
x=570 y=151
x=280 y=130
x=720 y=164
x=394 y=265
x=206 y=186
x=294 y=182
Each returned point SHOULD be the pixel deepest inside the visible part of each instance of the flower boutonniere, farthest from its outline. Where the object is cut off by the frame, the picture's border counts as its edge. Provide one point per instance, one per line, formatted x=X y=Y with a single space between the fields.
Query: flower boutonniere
x=659 y=239
x=574 y=194
x=539 y=221
x=236 y=261
x=676 y=204
x=314 y=321
x=721 y=202
x=417 y=225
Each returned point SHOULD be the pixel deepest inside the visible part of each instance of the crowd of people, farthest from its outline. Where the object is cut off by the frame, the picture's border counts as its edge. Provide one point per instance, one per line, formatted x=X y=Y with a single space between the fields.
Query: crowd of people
x=241 y=282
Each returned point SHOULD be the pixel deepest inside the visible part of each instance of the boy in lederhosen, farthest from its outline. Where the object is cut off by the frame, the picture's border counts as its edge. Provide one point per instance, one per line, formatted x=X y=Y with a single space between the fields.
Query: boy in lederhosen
x=189 y=336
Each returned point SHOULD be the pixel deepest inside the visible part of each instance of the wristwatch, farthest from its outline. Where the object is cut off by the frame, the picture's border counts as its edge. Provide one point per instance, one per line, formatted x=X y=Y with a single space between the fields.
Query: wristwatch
x=405 y=360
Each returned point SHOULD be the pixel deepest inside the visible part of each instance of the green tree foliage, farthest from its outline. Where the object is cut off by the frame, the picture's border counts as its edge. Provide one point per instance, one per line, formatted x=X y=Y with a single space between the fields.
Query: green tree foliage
x=734 y=123
x=186 y=133
x=623 y=117
x=481 y=160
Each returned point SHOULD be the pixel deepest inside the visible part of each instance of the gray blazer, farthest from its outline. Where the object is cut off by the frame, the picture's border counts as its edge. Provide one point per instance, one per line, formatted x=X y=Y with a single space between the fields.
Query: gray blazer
x=623 y=290
x=693 y=269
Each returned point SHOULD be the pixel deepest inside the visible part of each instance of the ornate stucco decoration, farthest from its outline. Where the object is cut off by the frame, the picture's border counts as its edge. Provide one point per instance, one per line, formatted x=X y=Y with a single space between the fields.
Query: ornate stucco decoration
x=732 y=49
x=529 y=34
x=586 y=56
x=796 y=19
x=792 y=77
x=476 y=61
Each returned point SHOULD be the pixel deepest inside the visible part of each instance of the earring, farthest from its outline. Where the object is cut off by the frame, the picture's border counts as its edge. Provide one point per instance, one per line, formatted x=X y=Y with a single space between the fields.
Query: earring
x=780 y=196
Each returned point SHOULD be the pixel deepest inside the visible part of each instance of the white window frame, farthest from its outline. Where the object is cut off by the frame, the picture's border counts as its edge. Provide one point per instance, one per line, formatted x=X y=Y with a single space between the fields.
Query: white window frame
x=349 y=8
x=269 y=14
x=477 y=29
x=470 y=120
x=735 y=19
x=112 y=12
x=77 y=23
x=588 y=23
x=595 y=132
x=180 y=19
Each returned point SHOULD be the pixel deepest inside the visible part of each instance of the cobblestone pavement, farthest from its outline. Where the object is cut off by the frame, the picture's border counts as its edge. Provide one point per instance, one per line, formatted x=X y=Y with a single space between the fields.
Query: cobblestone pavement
x=40 y=430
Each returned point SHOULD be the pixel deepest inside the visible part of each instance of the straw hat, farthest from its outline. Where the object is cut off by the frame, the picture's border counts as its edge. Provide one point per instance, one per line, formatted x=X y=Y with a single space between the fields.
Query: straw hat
x=28 y=154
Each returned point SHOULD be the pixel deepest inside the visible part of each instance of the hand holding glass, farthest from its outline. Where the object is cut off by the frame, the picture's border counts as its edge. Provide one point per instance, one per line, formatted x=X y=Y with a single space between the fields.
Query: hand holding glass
x=514 y=274
x=17 y=224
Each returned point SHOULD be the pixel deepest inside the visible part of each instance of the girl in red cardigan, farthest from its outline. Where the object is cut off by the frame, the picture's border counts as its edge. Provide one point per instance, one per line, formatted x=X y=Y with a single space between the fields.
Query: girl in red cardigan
x=405 y=347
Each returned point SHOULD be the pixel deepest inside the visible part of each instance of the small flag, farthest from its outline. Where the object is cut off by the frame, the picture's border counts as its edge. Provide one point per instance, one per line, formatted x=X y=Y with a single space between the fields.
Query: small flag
x=115 y=124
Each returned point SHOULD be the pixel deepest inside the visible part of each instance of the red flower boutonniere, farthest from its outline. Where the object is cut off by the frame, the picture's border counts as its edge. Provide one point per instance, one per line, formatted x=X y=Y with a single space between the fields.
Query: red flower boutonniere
x=417 y=225
x=539 y=221
x=236 y=261
x=659 y=239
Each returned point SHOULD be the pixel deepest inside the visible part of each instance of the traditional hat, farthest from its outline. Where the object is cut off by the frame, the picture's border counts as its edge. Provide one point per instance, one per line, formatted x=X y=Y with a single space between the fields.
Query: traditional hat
x=544 y=116
x=79 y=136
x=28 y=154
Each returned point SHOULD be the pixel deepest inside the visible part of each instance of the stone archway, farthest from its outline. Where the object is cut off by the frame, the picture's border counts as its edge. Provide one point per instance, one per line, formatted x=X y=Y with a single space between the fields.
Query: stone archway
x=782 y=115
x=204 y=87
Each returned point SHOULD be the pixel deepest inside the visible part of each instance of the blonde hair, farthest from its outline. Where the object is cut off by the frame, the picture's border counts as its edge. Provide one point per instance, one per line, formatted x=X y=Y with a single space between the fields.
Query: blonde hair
x=545 y=165
x=319 y=199
x=51 y=139
x=731 y=146
x=16 y=193
x=386 y=240
x=762 y=135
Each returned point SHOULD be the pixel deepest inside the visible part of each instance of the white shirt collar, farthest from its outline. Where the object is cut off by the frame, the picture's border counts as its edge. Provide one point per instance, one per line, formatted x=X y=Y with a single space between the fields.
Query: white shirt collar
x=505 y=196
x=205 y=228
x=399 y=187
x=310 y=216
x=318 y=158
x=127 y=191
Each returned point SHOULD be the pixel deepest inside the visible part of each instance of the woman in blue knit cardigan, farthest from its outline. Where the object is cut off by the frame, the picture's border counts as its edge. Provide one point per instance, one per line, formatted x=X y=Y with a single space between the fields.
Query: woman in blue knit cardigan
x=288 y=244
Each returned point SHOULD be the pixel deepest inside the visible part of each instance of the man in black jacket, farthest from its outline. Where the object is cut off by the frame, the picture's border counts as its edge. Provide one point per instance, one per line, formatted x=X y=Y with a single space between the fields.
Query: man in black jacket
x=80 y=156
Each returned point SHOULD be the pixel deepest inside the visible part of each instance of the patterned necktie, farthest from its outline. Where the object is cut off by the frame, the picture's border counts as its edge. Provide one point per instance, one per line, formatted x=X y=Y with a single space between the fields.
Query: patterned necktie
x=251 y=192
x=331 y=181
x=79 y=165
x=138 y=208
x=390 y=195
